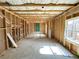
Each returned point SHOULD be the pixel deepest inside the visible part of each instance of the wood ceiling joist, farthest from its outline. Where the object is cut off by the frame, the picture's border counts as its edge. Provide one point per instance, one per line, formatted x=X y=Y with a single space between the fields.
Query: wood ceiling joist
x=31 y=17
x=35 y=14
x=39 y=16
x=30 y=4
x=45 y=5
x=37 y=10
x=4 y=4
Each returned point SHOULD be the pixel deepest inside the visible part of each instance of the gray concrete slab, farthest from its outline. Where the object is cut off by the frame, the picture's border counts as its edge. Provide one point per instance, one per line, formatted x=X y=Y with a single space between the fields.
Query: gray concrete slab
x=38 y=48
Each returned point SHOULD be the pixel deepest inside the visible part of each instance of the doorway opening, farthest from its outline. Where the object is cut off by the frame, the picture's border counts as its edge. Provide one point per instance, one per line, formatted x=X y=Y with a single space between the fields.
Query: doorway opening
x=37 y=27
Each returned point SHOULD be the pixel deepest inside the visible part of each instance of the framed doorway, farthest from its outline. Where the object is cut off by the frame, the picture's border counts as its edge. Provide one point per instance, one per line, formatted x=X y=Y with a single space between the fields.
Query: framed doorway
x=37 y=27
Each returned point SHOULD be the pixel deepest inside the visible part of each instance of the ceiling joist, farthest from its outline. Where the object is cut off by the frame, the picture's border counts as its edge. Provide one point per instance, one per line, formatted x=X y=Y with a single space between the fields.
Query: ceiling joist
x=30 y=4
x=37 y=10
x=39 y=16
x=35 y=14
x=43 y=15
x=45 y=5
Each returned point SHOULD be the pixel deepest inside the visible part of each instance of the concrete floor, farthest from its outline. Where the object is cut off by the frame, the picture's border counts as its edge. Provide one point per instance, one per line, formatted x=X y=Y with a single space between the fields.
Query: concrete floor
x=37 y=48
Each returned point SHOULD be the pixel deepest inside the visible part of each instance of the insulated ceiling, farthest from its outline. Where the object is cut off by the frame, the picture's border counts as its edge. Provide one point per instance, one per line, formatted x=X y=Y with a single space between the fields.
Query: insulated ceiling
x=14 y=2
x=38 y=7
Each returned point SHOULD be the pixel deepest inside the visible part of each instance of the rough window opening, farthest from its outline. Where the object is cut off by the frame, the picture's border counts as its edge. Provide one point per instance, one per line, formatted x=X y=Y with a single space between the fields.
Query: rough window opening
x=72 y=29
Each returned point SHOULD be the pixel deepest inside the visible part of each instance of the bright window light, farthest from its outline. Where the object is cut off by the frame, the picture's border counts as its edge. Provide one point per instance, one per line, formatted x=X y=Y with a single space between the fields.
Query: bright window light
x=45 y=50
x=52 y=50
x=57 y=50
x=70 y=22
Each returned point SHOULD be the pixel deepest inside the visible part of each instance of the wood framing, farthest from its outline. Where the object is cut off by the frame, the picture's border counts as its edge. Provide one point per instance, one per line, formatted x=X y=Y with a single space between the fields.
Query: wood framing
x=59 y=28
x=37 y=10
x=31 y=4
x=12 y=24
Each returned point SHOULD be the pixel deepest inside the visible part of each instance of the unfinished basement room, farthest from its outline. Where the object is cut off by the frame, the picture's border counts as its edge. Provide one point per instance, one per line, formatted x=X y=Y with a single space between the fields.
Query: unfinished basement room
x=39 y=29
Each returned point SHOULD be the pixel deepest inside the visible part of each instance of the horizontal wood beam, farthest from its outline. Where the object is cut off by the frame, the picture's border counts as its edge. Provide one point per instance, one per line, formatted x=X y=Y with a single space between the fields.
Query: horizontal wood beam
x=37 y=10
x=4 y=4
x=68 y=10
x=39 y=16
x=45 y=5
x=35 y=14
x=31 y=21
x=32 y=4
x=28 y=16
x=2 y=8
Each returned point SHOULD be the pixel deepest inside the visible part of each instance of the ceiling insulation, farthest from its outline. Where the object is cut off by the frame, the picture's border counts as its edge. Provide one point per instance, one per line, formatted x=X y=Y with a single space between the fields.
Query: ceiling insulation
x=38 y=7
x=38 y=12
x=17 y=2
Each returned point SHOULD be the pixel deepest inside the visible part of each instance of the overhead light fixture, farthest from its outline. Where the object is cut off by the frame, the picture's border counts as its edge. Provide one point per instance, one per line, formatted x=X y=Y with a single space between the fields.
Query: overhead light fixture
x=42 y=6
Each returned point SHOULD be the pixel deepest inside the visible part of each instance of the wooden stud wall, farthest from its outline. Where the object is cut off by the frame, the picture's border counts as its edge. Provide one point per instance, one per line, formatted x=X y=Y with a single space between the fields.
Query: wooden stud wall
x=13 y=24
x=2 y=32
x=59 y=26
x=42 y=27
